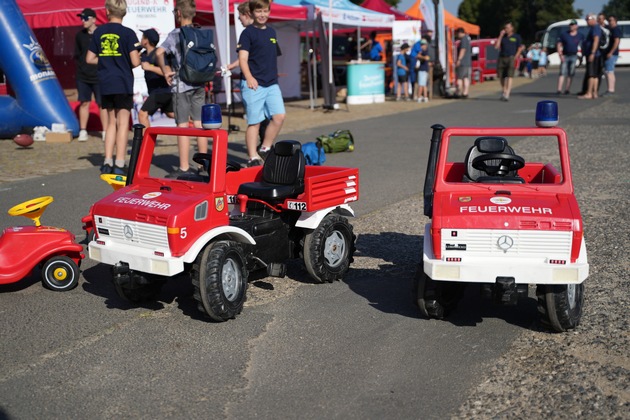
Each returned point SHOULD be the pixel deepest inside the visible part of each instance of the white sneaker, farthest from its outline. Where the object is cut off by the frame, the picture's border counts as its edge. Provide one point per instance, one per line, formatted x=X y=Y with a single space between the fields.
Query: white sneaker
x=83 y=135
x=426 y=99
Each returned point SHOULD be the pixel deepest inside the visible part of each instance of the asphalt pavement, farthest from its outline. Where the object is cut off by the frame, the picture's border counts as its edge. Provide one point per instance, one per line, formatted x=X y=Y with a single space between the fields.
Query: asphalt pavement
x=351 y=349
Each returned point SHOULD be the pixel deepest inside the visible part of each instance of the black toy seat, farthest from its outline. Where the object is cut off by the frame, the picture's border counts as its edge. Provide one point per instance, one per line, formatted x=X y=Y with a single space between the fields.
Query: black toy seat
x=485 y=145
x=283 y=174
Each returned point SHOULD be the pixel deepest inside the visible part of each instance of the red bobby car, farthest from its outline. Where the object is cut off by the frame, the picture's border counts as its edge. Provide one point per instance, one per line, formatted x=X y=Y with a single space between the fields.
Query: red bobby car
x=22 y=248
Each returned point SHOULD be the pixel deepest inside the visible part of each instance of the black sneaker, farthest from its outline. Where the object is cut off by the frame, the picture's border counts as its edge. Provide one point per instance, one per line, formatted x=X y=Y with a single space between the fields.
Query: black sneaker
x=117 y=170
x=179 y=172
x=254 y=162
x=263 y=153
x=107 y=169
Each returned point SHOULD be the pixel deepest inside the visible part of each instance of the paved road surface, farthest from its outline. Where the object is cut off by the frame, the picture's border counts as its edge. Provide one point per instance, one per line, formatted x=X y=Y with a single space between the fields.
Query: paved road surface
x=352 y=349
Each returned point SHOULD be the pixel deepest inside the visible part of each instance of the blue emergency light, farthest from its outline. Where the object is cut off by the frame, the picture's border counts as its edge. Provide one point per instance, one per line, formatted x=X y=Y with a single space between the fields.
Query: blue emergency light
x=547 y=114
x=211 y=116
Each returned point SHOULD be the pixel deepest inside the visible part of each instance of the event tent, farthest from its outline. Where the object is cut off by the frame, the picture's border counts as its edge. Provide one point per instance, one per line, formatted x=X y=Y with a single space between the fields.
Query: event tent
x=383 y=7
x=51 y=14
x=344 y=12
x=55 y=24
x=449 y=19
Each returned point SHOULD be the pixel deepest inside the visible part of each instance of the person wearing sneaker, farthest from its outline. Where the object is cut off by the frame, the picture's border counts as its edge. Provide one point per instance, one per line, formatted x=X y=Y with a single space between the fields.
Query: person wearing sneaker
x=86 y=76
x=114 y=48
x=509 y=45
x=187 y=98
x=258 y=52
x=423 y=71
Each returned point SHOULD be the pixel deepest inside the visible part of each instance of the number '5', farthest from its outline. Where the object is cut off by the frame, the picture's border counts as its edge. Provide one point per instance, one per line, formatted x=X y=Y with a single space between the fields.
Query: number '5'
x=183 y=233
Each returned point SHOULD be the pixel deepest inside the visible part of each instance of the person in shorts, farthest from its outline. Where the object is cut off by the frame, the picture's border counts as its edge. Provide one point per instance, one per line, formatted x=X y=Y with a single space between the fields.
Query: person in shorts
x=590 y=49
x=86 y=76
x=423 y=71
x=258 y=52
x=612 y=54
x=402 y=72
x=160 y=96
x=114 y=49
x=463 y=63
x=509 y=45
x=568 y=45
x=188 y=99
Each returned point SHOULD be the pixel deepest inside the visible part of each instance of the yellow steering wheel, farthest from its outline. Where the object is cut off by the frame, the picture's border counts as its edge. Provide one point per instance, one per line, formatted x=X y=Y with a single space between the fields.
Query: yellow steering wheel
x=32 y=209
x=116 y=181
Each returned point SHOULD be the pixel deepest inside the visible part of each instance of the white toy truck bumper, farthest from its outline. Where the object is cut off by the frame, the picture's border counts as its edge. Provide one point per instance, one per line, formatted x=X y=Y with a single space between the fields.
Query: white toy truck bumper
x=138 y=258
x=487 y=269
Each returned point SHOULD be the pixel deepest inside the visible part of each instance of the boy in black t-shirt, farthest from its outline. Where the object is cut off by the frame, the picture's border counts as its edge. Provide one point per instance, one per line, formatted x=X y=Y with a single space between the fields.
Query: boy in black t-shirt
x=258 y=52
x=160 y=96
x=114 y=48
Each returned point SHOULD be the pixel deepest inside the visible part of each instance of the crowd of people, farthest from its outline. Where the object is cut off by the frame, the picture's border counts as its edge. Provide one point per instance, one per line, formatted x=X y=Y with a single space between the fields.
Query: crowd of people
x=106 y=56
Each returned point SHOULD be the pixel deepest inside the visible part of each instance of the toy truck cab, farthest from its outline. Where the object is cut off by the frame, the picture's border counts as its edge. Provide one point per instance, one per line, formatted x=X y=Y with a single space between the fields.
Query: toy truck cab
x=222 y=223
x=502 y=220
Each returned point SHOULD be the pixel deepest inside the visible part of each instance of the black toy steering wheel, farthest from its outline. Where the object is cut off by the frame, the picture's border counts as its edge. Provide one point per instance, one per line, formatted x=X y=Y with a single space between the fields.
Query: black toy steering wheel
x=203 y=159
x=507 y=163
x=233 y=166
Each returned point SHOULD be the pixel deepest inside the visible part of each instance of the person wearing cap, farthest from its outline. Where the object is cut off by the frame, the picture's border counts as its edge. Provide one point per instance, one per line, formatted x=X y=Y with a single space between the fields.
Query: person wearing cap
x=423 y=58
x=590 y=50
x=86 y=75
x=568 y=45
x=160 y=96
x=403 y=69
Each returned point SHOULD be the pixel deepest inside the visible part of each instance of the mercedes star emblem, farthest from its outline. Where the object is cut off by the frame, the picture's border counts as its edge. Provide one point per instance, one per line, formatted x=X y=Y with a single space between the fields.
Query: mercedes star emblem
x=128 y=232
x=505 y=242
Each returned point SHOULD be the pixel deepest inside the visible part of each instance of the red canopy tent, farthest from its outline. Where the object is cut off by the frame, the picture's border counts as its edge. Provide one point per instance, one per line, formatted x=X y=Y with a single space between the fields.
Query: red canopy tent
x=279 y=12
x=382 y=7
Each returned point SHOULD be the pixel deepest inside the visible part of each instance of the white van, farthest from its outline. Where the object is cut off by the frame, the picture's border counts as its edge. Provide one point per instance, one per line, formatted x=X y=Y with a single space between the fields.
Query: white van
x=550 y=39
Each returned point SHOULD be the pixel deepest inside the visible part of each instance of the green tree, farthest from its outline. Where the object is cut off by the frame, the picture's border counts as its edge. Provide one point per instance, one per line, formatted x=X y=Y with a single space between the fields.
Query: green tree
x=528 y=16
x=618 y=8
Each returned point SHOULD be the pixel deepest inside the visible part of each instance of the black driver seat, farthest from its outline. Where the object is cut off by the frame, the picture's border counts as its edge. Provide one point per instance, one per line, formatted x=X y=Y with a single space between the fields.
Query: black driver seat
x=283 y=174
x=485 y=145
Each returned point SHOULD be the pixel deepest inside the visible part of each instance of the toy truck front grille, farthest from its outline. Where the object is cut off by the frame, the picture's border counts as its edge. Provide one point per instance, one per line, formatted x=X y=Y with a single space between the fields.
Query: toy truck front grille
x=127 y=231
x=506 y=243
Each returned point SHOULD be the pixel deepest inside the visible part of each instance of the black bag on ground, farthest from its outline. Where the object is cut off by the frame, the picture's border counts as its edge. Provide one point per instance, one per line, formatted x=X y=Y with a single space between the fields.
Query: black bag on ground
x=199 y=59
x=339 y=141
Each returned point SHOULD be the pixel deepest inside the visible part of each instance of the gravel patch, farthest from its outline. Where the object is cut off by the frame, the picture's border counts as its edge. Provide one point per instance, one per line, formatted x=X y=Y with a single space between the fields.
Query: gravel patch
x=585 y=372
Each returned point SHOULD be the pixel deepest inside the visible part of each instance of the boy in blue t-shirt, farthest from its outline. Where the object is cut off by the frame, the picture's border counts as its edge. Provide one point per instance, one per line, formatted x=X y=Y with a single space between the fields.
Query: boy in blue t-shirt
x=114 y=48
x=402 y=72
x=258 y=53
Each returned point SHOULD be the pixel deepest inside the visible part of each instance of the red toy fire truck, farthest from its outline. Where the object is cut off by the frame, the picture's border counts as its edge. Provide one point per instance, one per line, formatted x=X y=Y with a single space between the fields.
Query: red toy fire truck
x=223 y=223
x=502 y=220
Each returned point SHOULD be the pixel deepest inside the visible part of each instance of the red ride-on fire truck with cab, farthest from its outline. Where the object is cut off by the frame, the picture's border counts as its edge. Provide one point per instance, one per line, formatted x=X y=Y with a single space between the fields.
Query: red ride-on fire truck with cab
x=502 y=220
x=223 y=223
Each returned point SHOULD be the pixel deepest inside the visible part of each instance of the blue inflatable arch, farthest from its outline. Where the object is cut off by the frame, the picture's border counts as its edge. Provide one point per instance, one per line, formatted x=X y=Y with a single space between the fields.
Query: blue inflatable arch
x=39 y=99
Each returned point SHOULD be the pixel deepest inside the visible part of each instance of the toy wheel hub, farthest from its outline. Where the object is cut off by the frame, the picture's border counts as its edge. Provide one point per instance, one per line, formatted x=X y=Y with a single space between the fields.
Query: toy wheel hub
x=334 y=249
x=230 y=280
x=60 y=274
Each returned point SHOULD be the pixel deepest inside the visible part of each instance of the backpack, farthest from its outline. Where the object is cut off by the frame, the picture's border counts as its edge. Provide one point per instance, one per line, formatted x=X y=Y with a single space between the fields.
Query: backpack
x=314 y=153
x=199 y=60
x=339 y=141
x=604 y=40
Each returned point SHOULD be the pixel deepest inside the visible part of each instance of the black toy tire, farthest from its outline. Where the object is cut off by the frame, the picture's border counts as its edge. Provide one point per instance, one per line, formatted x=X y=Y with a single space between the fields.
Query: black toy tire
x=140 y=288
x=436 y=299
x=329 y=249
x=560 y=306
x=219 y=276
x=60 y=274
